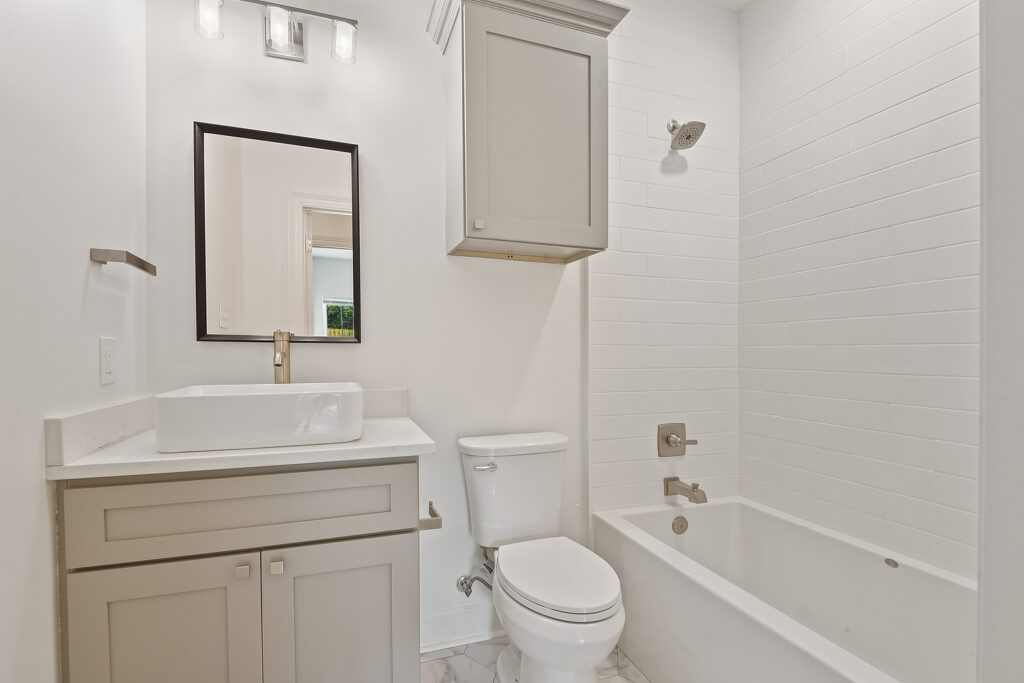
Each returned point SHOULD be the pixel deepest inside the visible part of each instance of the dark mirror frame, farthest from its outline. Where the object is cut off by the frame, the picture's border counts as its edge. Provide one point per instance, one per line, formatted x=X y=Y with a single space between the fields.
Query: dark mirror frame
x=199 y=131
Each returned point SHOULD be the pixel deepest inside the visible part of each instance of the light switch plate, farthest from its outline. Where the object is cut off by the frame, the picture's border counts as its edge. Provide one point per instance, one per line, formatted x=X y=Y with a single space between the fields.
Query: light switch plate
x=108 y=373
x=224 y=317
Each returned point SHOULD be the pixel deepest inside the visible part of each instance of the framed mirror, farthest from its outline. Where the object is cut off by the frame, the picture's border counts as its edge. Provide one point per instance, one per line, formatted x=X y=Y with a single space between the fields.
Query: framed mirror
x=277 y=236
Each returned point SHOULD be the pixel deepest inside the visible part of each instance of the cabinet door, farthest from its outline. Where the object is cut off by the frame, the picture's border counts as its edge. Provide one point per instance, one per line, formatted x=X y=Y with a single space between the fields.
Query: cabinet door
x=344 y=611
x=536 y=126
x=194 y=620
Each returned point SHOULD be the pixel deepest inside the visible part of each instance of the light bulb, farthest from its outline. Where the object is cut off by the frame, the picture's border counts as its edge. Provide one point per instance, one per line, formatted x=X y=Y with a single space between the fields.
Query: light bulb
x=344 y=46
x=280 y=22
x=208 y=18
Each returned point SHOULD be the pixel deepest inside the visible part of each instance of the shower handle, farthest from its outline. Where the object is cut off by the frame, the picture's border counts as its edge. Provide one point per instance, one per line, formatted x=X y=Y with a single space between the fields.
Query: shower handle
x=672 y=441
x=675 y=441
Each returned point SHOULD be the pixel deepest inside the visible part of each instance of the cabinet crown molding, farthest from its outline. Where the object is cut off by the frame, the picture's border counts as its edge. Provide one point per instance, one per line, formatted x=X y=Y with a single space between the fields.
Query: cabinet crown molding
x=592 y=16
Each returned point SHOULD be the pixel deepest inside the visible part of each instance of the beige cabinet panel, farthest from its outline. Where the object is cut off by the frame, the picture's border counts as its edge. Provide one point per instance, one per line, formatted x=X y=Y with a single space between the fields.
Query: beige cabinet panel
x=536 y=130
x=107 y=525
x=342 y=611
x=193 y=620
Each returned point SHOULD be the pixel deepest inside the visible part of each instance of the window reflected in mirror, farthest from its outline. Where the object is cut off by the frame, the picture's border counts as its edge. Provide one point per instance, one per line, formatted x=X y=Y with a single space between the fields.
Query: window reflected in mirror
x=330 y=297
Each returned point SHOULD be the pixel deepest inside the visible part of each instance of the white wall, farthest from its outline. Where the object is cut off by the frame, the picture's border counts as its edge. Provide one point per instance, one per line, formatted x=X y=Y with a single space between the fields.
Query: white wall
x=1002 y=506
x=663 y=297
x=224 y=235
x=484 y=346
x=72 y=177
x=272 y=174
x=859 y=267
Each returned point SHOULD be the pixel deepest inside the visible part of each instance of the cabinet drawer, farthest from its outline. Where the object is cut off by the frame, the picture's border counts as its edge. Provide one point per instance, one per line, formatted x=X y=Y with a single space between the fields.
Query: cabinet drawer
x=135 y=522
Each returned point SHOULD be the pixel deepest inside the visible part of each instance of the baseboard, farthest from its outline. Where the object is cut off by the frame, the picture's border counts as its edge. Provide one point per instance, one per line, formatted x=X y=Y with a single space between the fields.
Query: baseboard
x=458 y=626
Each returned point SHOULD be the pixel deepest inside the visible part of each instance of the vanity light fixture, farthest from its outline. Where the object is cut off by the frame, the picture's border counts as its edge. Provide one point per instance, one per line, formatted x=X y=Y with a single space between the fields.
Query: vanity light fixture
x=283 y=29
x=208 y=18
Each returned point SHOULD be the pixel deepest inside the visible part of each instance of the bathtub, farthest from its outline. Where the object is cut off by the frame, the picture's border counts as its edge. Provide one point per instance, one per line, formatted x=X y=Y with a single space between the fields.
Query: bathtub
x=749 y=594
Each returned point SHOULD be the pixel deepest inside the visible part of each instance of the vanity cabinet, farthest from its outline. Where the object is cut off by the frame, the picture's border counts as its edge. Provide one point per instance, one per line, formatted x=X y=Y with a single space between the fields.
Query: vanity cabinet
x=526 y=96
x=282 y=595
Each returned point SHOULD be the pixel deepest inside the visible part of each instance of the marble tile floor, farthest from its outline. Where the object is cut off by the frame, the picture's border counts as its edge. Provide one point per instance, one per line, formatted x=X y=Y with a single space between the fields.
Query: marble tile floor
x=476 y=662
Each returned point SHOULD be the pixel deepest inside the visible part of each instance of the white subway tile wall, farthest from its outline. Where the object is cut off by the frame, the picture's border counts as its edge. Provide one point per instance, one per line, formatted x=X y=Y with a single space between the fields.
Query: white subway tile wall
x=663 y=303
x=858 y=269
x=823 y=347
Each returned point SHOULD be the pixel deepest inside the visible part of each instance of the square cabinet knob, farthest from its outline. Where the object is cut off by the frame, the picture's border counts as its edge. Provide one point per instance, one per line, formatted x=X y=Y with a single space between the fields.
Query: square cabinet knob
x=242 y=572
x=276 y=568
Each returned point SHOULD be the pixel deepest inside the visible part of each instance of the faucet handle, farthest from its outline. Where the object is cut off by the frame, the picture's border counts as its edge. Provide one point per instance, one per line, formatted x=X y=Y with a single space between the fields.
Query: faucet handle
x=672 y=441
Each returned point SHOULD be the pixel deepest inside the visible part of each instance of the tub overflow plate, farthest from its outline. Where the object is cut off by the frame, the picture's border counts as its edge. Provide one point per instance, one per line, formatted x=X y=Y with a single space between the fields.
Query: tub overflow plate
x=680 y=525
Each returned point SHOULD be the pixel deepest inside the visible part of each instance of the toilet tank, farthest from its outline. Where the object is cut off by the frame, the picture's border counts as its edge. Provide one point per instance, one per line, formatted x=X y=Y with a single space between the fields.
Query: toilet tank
x=514 y=484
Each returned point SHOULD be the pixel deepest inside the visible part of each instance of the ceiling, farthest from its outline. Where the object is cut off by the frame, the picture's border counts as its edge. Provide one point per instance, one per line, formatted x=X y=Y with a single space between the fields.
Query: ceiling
x=731 y=4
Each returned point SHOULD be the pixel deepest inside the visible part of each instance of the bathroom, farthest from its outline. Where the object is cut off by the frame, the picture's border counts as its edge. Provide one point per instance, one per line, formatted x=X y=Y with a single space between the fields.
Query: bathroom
x=821 y=285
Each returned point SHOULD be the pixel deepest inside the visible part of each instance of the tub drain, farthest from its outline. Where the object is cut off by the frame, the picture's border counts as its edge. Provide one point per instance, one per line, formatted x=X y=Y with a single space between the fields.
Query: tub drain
x=892 y=563
x=680 y=525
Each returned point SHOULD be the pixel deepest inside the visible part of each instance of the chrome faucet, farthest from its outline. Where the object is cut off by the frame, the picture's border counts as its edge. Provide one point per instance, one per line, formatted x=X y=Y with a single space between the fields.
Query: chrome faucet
x=282 y=357
x=692 y=492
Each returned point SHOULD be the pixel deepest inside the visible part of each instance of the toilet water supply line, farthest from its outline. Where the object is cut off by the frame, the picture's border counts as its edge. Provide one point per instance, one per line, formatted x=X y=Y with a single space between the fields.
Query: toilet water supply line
x=465 y=582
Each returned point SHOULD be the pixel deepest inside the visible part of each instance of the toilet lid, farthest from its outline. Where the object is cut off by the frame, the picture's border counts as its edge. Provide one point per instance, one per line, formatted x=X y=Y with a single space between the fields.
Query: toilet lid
x=559 y=578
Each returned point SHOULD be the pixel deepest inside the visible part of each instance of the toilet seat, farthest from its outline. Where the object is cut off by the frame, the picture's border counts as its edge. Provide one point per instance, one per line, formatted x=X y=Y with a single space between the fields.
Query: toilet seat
x=558 y=578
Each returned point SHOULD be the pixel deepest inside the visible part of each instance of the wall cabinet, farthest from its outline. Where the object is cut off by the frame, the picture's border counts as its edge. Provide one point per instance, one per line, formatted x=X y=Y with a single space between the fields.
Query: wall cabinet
x=331 y=610
x=526 y=96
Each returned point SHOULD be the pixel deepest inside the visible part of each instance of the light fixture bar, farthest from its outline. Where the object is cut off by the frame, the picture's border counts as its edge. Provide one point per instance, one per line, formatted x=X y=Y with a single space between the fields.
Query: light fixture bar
x=300 y=10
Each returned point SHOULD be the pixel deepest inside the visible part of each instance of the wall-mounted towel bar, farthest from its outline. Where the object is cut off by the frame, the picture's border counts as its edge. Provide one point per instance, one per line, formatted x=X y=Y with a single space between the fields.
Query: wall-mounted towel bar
x=121 y=256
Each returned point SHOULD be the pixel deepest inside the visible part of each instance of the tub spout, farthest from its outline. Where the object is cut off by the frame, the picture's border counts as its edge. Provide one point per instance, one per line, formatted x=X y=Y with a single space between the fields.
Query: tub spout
x=692 y=492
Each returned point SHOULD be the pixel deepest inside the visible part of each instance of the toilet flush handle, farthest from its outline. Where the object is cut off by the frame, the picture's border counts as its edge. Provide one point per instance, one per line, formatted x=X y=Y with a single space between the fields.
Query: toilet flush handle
x=489 y=467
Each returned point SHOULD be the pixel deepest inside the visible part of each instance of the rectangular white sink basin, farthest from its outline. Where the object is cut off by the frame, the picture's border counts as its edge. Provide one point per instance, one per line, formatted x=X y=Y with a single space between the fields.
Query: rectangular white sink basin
x=229 y=416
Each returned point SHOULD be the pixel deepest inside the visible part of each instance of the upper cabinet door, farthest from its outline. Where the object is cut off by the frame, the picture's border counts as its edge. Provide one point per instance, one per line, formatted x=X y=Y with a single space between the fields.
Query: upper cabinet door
x=536 y=128
x=194 y=620
x=344 y=611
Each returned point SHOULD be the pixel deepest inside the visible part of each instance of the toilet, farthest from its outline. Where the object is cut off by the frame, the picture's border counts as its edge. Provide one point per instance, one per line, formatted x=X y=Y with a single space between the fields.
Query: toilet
x=559 y=603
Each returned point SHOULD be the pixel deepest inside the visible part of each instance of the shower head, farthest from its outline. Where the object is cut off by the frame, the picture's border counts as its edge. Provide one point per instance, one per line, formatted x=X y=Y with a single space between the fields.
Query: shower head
x=685 y=135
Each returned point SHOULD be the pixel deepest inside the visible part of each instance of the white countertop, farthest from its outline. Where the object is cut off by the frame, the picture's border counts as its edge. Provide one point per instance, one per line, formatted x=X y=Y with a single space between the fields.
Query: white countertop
x=383 y=438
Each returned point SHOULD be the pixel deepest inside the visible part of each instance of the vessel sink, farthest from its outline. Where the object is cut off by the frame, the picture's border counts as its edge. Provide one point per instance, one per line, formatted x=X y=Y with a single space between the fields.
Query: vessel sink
x=220 y=417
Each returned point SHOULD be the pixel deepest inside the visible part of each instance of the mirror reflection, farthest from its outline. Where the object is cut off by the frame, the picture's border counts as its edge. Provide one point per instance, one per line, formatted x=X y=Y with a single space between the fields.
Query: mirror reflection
x=277 y=229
